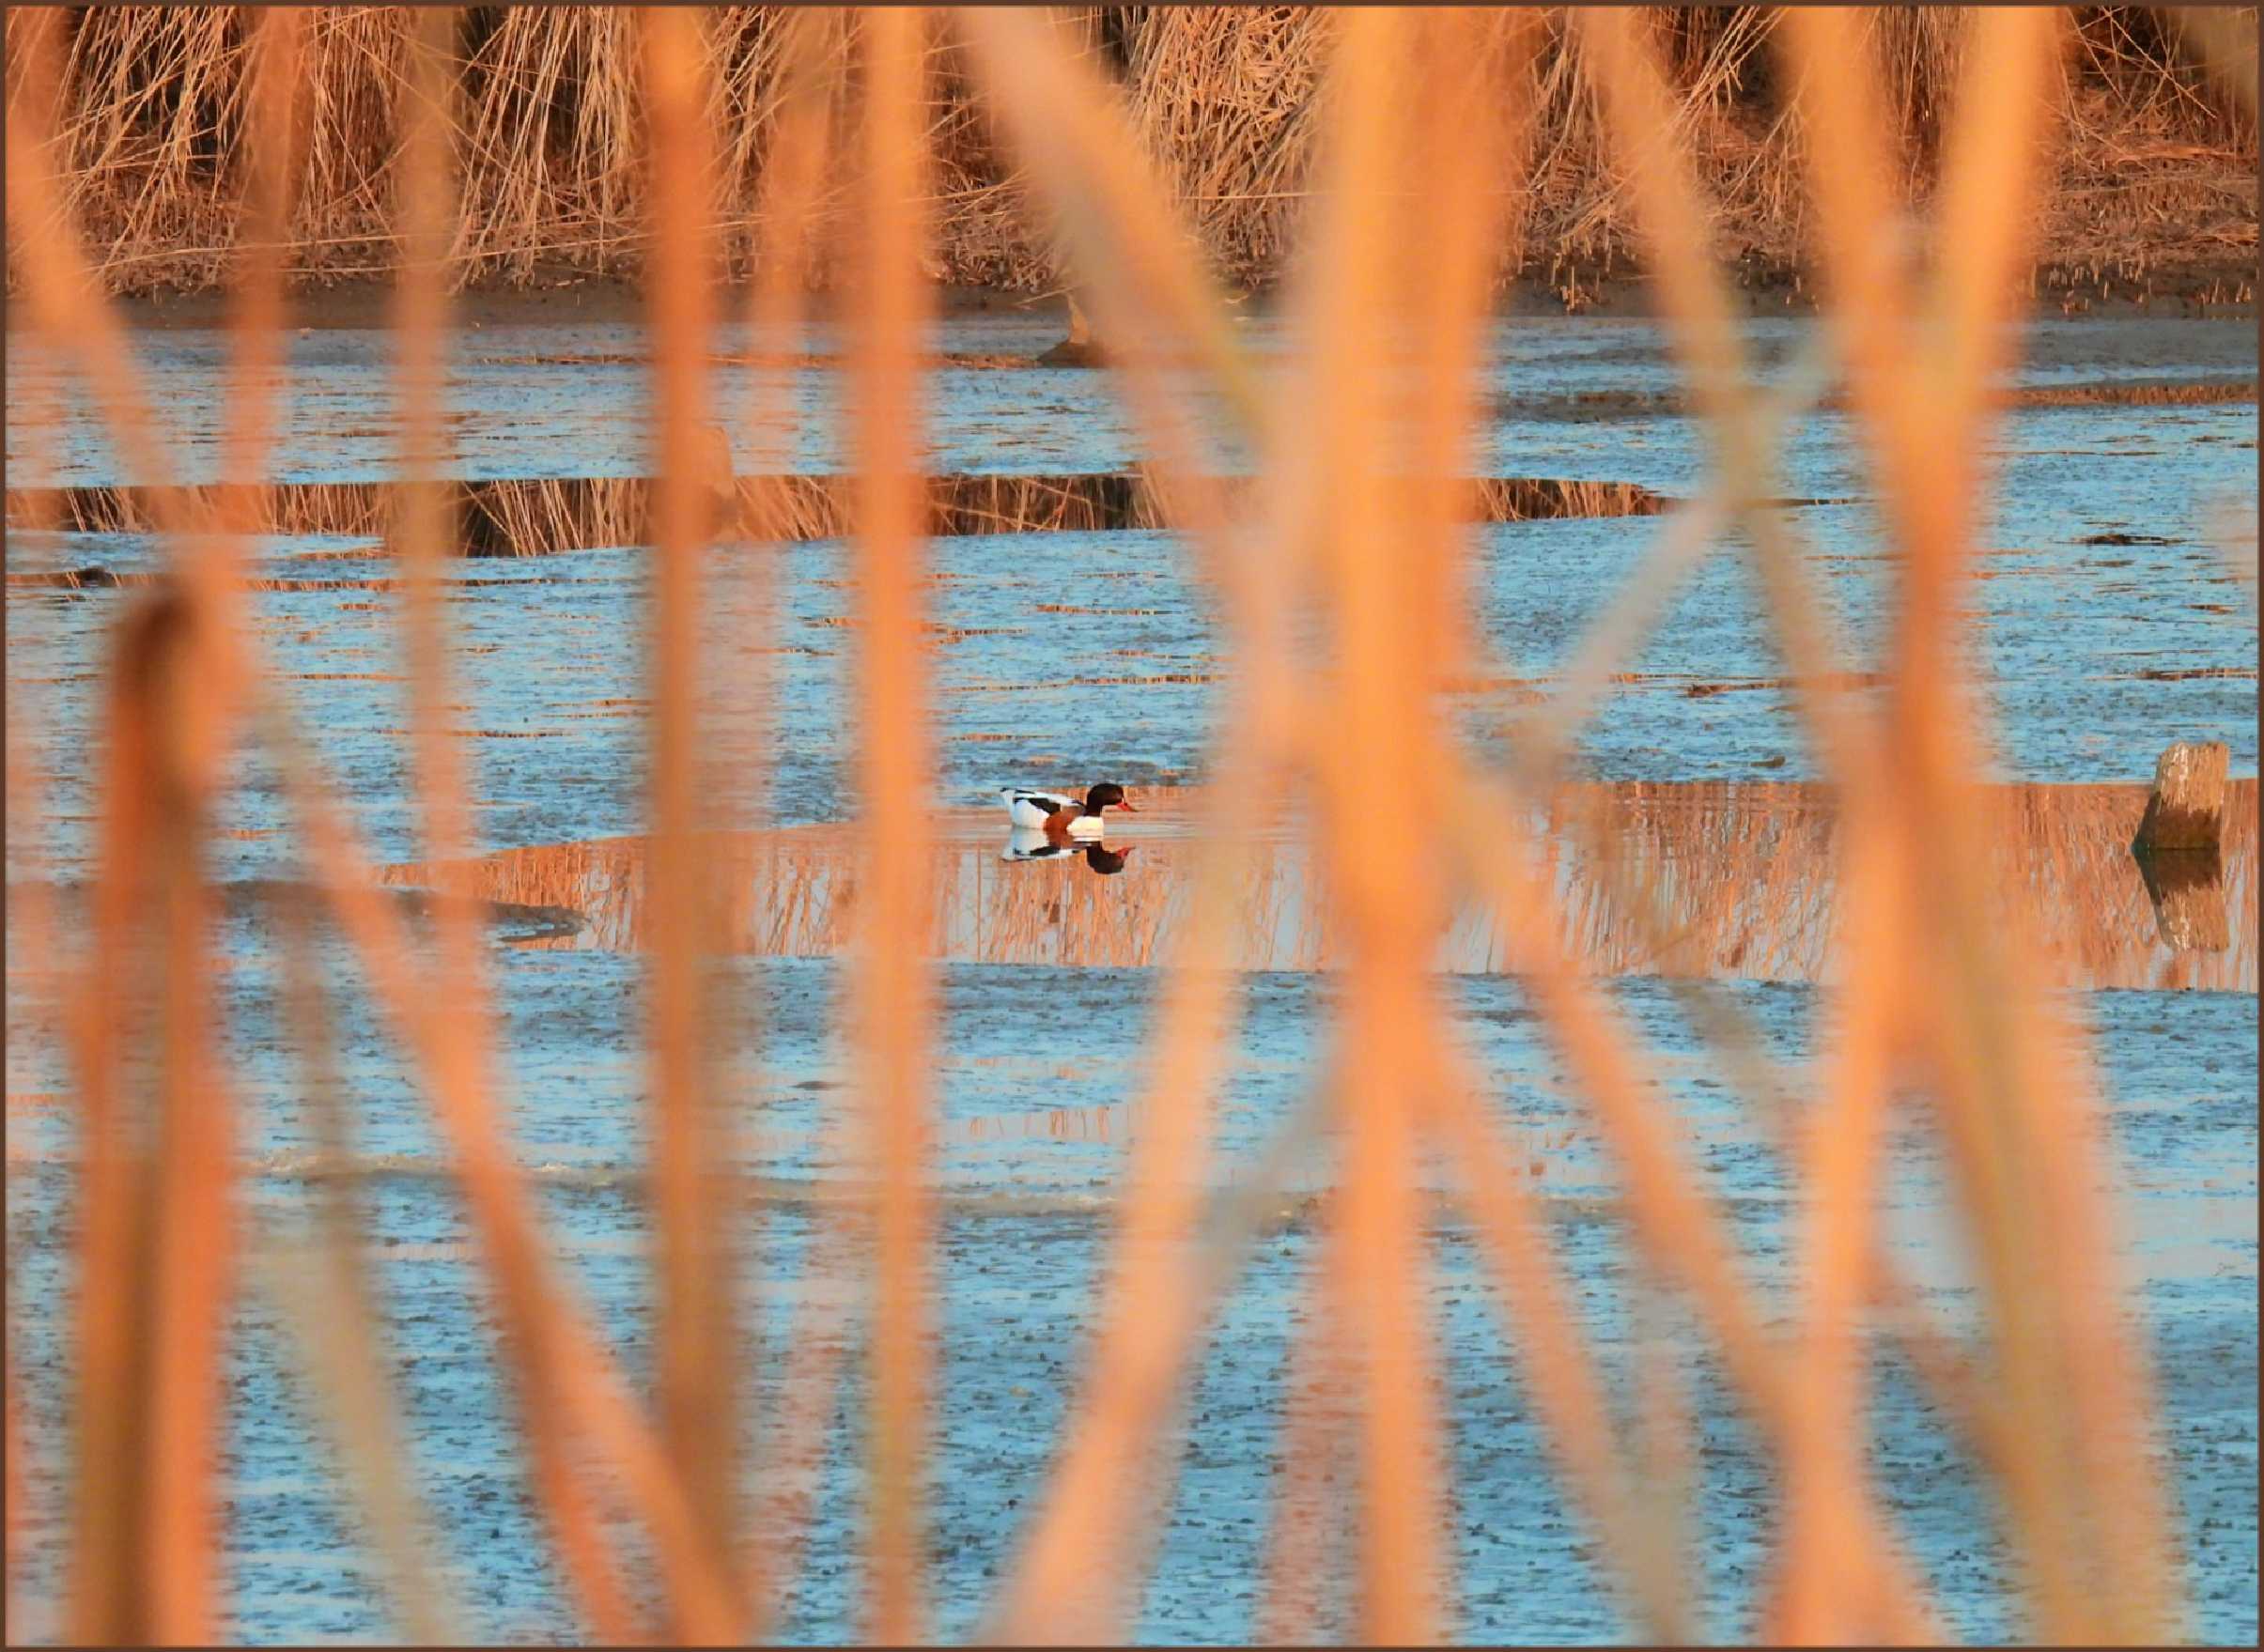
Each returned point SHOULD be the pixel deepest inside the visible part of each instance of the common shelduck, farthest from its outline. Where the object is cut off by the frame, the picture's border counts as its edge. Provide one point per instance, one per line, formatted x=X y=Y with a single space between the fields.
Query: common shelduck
x=1058 y=812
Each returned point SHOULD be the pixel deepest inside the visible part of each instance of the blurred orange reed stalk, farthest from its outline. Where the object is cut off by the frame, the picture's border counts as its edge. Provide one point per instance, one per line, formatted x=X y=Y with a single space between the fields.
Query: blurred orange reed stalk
x=196 y=1188
x=14 y=1472
x=1387 y=881
x=426 y=185
x=890 y=988
x=1830 y=1519
x=1153 y=302
x=693 y=1174
x=109 y=1560
x=2083 y=1498
x=157 y=1192
x=557 y=1360
x=793 y=174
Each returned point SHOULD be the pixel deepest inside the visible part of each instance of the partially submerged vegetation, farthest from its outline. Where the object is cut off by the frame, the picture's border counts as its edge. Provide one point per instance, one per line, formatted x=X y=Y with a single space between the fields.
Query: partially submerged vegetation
x=537 y=515
x=2156 y=186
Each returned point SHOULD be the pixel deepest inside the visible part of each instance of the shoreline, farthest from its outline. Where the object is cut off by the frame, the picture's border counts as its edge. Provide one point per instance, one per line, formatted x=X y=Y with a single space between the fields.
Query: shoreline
x=365 y=302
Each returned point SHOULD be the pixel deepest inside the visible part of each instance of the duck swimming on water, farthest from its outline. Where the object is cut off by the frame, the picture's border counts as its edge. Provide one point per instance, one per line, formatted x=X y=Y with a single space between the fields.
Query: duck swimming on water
x=1060 y=813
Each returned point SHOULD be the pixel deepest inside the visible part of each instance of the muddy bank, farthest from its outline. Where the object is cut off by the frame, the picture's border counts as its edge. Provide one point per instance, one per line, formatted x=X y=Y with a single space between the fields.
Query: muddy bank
x=540 y=516
x=2223 y=290
x=1602 y=404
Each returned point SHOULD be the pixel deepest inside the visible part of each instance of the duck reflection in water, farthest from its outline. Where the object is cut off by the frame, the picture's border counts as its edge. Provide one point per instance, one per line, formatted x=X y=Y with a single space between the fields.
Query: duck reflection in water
x=1042 y=845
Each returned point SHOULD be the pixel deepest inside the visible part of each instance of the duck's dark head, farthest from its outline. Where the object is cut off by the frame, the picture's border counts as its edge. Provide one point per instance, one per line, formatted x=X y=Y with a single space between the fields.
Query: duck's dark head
x=1106 y=796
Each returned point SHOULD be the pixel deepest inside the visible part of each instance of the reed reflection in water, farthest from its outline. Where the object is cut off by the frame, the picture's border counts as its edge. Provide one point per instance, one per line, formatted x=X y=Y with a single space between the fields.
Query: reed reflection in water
x=1743 y=871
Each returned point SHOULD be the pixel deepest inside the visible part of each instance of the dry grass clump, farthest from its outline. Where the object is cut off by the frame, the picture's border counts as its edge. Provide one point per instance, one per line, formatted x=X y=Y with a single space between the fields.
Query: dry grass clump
x=1228 y=100
x=544 y=514
x=2157 y=180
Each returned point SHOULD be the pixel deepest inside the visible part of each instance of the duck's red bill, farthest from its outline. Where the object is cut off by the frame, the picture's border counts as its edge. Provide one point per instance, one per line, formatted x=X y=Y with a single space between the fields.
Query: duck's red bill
x=1128 y=805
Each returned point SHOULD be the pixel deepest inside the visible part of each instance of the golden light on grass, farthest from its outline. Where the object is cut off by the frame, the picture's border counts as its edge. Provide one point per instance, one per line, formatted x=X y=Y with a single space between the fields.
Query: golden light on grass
x=1339 y=581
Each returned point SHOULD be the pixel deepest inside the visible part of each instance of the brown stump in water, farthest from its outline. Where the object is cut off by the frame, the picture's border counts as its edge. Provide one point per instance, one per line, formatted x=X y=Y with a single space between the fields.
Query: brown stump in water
x=1079 y=349
x=2187 y=810
x=2177 y=848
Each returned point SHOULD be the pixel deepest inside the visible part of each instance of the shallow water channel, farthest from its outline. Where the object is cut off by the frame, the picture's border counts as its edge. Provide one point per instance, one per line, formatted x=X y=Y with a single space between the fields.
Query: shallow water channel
x=2111 y=625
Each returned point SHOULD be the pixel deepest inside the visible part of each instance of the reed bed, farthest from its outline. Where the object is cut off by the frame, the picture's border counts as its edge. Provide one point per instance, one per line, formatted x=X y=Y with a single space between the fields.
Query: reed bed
x=545 y=515
x=2155 y=182
x=1743 y=875
x=151 y=146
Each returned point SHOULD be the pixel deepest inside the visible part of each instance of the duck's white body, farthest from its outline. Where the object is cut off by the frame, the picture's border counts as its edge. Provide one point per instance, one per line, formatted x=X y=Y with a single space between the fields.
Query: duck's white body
x=1079 y=817
x=1033 y=810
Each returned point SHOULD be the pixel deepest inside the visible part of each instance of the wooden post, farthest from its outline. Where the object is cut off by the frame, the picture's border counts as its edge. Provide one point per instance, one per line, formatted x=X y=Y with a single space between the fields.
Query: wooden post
x=2187 y=810
x=1079 y=349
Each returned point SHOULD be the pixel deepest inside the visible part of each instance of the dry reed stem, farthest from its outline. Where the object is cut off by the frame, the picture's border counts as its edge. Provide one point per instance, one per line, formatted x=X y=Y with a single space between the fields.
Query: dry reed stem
x=1824 y=1590
x=425 y=182
x=141 y=1564
x=1463 y=134
x=15 y=1470
x=1825 y=1487
x=561 y=1364
x=1390 y=897
x=792 y=182
x=1632 y=1542
x=1085 y=1472
x=2018 y=1120
x=1995 y=158
x=693 y=1242
x=1693 y=295
x=1568 y=1389
x=1675 y=1226
x=151 y=1417
x=1666 y=1446
x=194 y=1181
x=334 y=1312
x=33 y=933
x=1698 y=304
x=1881 y=874
x=1069 y=1578
x=891 y=995
x=105 y=1588
x=1679 y=231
